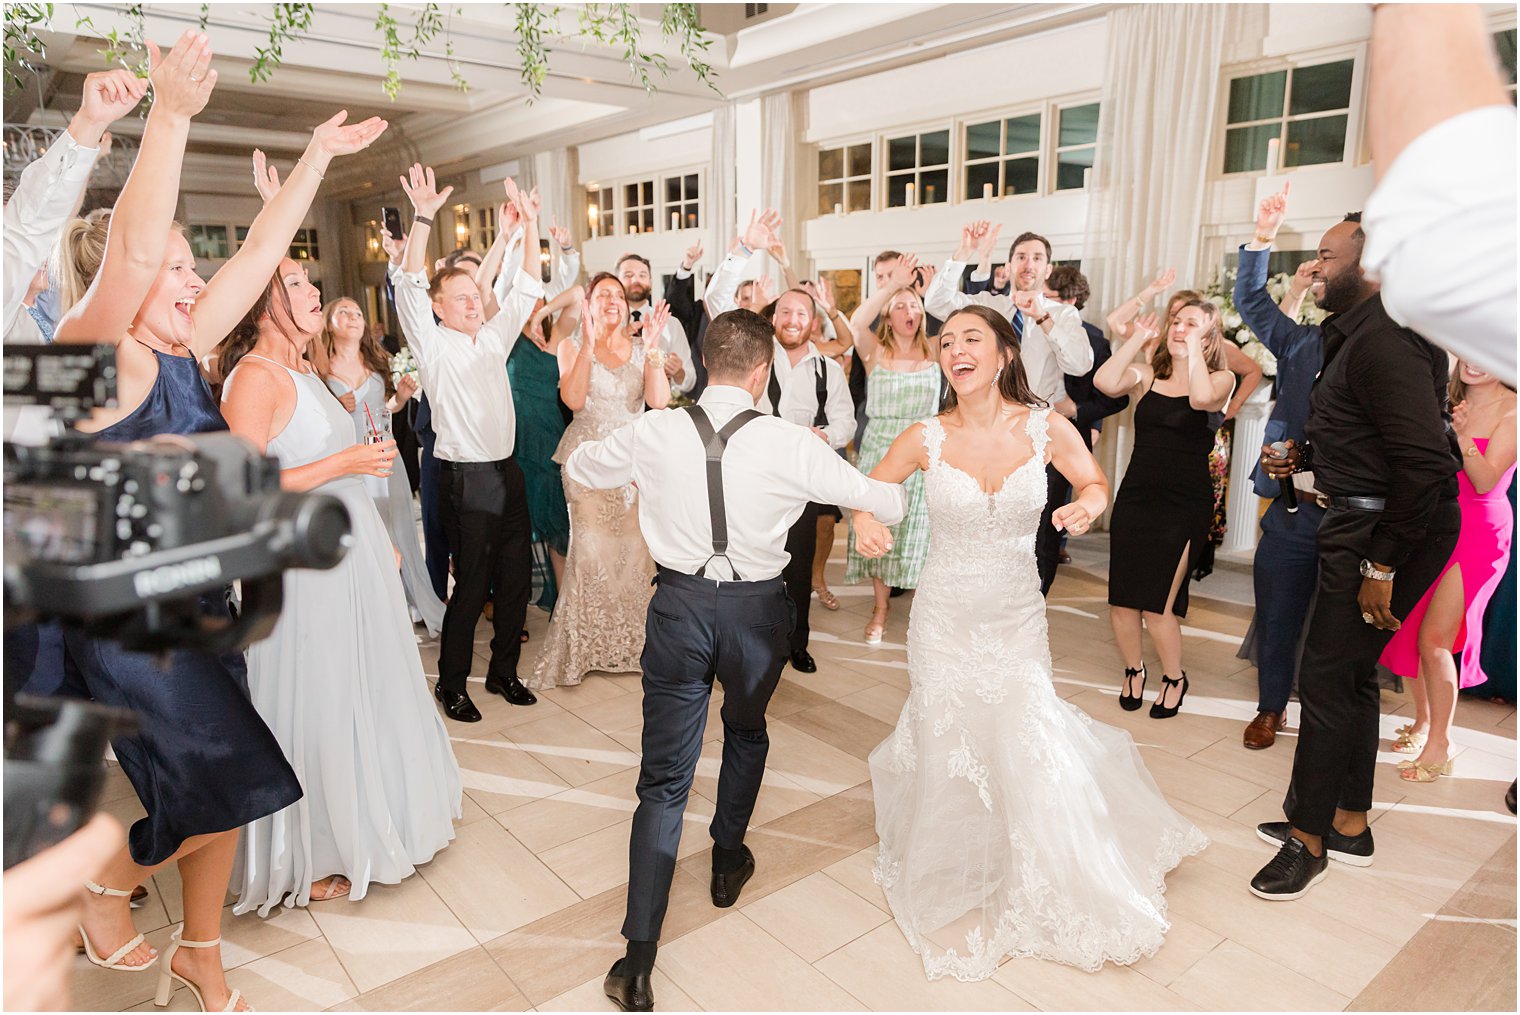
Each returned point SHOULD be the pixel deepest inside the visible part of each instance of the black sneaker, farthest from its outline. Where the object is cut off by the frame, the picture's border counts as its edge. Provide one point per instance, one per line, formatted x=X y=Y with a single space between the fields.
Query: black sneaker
x=1290 y=875
x=1355 y=850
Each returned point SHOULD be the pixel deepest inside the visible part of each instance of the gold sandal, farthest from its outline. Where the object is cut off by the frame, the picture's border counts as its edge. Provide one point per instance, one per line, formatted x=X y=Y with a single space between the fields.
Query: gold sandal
x=1407 y=741
x=1417 y=772
x=876 y=628
x=827 y=598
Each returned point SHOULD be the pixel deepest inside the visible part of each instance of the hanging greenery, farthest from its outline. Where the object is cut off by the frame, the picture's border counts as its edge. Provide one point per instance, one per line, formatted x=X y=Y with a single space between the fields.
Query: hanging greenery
x=615 y=25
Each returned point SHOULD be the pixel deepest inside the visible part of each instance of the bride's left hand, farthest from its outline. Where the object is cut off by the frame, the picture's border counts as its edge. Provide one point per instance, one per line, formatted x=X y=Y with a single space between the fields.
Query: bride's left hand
x=872 y=538
x=1071 y=518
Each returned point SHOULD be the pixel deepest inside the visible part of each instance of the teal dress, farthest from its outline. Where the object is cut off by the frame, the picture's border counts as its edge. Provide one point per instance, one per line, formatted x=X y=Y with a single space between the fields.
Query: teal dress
x=898 y=399
x=534 y=376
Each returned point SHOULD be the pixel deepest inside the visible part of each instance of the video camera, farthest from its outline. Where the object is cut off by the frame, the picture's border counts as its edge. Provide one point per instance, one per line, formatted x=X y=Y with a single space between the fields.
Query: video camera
x=123 y=540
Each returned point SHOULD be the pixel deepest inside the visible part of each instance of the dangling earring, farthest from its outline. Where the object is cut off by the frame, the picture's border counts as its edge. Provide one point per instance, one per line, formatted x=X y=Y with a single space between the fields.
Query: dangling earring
x=997 y=374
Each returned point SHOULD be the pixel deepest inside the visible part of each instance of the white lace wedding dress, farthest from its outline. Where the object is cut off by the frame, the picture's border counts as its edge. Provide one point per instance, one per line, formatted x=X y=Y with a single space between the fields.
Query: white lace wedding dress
x=1011 y=823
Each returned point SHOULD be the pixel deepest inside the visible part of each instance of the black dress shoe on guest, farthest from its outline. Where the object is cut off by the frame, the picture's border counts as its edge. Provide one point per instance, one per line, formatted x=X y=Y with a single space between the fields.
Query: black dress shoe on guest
x=802 y=662
x=630 y=993
x=1290 y=875
x=457 y=705
x=1159 y=712
x=513 y=690
x=1355 y=850
x=725 y=887
x=896 y=592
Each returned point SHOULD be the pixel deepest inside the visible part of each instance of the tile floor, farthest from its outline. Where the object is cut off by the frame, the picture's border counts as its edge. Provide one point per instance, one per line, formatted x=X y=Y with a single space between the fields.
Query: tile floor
x=523 y=910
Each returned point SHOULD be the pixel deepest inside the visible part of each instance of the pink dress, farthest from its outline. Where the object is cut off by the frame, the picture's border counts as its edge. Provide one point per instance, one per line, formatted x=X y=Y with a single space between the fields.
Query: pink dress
x=1483 y=554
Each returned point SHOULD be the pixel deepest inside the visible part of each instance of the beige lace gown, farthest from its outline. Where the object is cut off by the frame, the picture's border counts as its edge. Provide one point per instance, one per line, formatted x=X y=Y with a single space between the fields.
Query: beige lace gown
x=598 y=621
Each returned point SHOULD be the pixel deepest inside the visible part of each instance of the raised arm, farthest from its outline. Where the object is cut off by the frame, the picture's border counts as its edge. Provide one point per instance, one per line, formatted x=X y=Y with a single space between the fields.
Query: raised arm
x=723 y=287
x=862 y=321
x=777 y=250
x=1249 y=372
x=1208 y=390
x=1121 y=374
x=1277 y=329
x=1119 y=320
x=144 y=212
x=238 y=284
x=567 y=261
x=656 y=380
x=490 y=266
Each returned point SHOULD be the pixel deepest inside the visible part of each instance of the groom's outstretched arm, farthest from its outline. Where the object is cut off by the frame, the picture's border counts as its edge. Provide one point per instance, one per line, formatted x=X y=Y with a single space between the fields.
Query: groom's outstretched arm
x=828 y=479
x=605 y=464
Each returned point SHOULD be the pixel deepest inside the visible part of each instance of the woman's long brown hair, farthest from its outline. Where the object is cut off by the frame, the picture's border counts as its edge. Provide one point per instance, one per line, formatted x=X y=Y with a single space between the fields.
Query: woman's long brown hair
x=1213 y=342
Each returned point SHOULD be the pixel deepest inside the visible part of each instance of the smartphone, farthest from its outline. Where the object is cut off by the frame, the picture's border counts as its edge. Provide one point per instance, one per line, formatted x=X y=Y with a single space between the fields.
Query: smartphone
x=391 y=217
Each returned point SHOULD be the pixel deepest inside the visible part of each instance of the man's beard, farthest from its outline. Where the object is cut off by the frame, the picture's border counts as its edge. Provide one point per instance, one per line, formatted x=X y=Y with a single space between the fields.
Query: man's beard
x=638 y=294
x=1342 y=291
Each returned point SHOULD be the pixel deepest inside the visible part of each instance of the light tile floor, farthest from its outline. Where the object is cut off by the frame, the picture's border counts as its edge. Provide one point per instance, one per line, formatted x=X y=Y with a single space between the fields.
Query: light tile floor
x=523 y=909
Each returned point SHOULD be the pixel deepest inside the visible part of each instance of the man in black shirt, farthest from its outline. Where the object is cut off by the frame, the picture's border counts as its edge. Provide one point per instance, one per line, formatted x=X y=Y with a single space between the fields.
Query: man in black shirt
x=1384 y=460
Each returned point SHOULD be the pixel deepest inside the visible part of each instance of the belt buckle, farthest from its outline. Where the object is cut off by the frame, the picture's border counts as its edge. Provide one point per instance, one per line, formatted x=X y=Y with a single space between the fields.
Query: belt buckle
x=1321 y=501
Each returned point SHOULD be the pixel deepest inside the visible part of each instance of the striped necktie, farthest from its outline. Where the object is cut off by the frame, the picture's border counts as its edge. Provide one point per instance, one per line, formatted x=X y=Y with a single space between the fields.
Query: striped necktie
x=1018 y=324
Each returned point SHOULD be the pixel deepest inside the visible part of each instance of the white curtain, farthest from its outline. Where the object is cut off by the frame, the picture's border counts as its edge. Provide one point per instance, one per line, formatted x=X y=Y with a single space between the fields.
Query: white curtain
x=780 y=128
x=556 y=172
x=723 y=206
x=1147 y=186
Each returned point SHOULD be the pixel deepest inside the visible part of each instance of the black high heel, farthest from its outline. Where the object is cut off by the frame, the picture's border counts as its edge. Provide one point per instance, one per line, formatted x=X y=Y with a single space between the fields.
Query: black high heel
x=1131 y=702
x=1157 y=712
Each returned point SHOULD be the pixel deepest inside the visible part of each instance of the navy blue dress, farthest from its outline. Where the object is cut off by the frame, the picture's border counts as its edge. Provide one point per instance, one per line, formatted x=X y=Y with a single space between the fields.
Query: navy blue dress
x=202 y=761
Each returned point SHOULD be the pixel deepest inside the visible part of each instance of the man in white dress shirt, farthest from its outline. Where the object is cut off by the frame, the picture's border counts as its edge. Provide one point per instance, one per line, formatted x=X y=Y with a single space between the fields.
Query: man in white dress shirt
x=1052 y=343
x=806 y=388
x=720 y=484
x=463 y=363
x=633 y=271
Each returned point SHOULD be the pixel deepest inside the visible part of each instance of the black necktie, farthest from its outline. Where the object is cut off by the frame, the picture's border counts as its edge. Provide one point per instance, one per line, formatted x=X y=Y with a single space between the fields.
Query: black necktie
x=637 y=316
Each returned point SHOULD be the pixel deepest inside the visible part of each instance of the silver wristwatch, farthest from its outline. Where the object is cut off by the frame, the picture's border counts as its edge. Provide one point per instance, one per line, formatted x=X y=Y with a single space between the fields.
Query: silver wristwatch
x=1368 y=571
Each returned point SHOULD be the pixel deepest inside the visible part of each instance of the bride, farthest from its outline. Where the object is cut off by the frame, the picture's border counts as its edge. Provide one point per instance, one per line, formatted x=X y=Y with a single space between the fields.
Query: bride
x=1011 y=823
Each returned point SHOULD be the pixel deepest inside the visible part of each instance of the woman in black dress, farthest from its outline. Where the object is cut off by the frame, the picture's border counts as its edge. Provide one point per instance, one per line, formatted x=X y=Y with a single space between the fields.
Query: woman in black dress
x=203 y=763
x=1162 y=514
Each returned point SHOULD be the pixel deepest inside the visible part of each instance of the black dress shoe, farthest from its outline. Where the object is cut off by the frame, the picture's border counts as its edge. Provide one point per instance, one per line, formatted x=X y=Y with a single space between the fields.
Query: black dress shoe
x=725 y=887
x=1290 y=875
x=513 y=690
x=1157 y=711
x=897 y=592
x=630 y=993
x=1355 y=850
x=457 y=705
x=802 y=662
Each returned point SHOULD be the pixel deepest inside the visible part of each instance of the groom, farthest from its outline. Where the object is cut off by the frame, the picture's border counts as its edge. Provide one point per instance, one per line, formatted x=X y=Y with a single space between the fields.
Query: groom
x=719 y=486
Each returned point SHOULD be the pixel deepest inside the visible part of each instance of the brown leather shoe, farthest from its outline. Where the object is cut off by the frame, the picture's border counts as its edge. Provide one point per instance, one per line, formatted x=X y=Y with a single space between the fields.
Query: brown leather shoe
x=1262 y=732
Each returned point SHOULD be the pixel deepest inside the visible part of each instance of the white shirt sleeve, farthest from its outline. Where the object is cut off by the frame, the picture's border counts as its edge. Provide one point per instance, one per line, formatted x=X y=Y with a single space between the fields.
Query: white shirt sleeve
x=1448 y=203
x=829 y=479
x=1068 y=339
x=567 y=268
x=839 y=407
x=415 y=310
x=511 y=264
x=605 y=464
x=723 y=288
x=516 y=309
x=675 y=341
x=37 y=212
x=943 y=297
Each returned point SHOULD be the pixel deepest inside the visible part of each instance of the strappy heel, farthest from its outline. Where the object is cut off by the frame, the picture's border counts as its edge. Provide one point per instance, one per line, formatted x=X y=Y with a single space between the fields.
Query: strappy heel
x=1157 y=711
x=167 y=975
x=1132 y=702
x=113 y=961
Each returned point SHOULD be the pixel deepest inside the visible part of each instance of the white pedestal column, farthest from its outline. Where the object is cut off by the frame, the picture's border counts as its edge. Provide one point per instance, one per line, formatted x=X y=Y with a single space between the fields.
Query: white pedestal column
x=1242 y=505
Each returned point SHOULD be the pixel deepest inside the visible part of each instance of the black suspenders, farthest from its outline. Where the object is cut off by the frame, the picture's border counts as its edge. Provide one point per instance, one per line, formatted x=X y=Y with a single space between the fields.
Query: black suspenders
x=821 y=416
x=715 y=443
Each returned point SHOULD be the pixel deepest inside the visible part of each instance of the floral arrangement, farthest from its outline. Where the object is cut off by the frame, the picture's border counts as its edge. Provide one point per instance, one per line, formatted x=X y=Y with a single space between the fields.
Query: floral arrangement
x=402 y=364
x=1221 y=292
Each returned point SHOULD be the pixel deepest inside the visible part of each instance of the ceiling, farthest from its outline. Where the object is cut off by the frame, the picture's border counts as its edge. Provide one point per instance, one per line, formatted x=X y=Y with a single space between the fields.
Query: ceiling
x=587 y=94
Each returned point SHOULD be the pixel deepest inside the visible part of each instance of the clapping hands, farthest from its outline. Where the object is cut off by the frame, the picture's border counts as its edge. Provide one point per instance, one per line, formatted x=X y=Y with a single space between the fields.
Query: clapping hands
x=653 y=323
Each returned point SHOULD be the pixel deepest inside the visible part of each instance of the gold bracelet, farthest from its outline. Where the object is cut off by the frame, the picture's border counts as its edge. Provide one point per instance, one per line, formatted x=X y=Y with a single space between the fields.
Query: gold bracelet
x=313 y=168
x=656 y=358
x=1265 y=241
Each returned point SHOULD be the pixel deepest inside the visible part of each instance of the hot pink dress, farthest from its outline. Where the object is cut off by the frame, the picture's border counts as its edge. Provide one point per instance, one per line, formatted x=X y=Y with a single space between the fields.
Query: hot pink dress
x=1483 y=554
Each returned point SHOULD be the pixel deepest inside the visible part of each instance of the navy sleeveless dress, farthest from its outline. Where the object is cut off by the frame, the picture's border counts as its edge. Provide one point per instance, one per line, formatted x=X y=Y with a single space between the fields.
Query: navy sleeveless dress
x=202 y=760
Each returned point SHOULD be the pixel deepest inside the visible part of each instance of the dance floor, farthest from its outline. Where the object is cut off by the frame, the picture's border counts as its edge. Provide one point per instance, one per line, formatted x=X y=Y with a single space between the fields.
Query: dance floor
x=522 y=911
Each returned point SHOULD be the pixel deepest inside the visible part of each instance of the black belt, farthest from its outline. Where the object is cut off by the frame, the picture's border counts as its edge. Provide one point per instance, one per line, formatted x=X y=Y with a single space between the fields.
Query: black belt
x=1351 y=503
x=497 y=466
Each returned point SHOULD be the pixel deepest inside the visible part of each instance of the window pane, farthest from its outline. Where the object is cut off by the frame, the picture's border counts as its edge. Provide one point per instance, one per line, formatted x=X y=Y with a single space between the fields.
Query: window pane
x=980 y=177
x=983 y=140
x=830 y=163
x=209 y=241
x=242 y=234
x=934 y=187
x=672 y=189
x=1317 y=89
x=1021 y=176
x=649 y=192
x=902 y=153
x=1505 y=42
x=1311 y=142
x=830 y=194
x=649 y=217
x=630 y=222
x=860 y=159
x=1259 y=97
x=934 y=149
x=1245 y=148
x=1023 y=134
x=897 y=190
x=691 y=186
x=1079 y=125
x=631 y=195
x=859 y=193
x=693 y=216
x=1071 y=168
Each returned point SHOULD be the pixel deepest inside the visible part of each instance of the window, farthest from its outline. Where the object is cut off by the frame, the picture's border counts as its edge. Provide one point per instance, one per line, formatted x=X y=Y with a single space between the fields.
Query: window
x=844 y=178
x=209 y=242
x=304 y=246
x=1076 y=141
x=682 y=206
x=638 y=207
x=600 y=216
x=1505 y=43
x=1305 y=108
x=918 y=169
x=485 y=225
x=1003 y=157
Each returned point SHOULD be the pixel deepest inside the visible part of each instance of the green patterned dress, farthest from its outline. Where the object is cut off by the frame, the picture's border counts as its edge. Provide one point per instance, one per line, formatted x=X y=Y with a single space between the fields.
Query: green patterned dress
x=895 y=400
